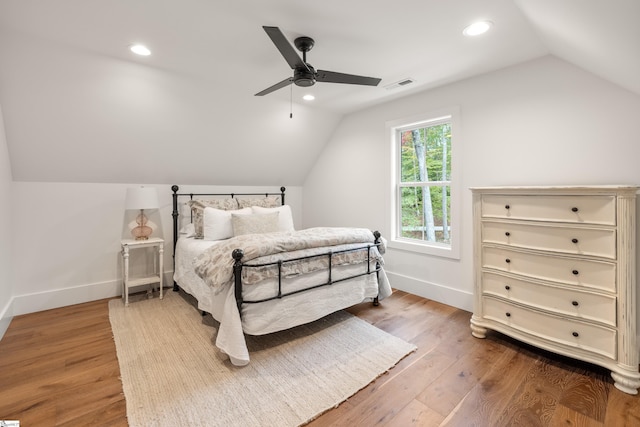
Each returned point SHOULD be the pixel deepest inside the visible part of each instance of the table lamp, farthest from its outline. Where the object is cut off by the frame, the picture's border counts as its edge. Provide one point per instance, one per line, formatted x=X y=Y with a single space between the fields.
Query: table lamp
x=141 y=198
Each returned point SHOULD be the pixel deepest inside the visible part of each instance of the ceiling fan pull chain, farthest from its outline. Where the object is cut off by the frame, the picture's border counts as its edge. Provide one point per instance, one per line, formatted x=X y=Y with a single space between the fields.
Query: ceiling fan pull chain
x=291 y=102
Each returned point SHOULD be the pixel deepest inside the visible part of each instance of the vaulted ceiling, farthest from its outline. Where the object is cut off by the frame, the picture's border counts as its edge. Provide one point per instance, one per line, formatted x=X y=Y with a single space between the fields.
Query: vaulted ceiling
x=78 y=106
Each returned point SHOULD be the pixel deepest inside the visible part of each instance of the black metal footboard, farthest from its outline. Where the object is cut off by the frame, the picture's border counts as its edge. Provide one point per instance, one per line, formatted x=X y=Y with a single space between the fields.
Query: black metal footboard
x=239 y=266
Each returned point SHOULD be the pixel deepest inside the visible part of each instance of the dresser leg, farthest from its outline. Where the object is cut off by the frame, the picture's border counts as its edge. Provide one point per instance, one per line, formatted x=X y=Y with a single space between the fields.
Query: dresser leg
x=478 y=331
x=628 y=384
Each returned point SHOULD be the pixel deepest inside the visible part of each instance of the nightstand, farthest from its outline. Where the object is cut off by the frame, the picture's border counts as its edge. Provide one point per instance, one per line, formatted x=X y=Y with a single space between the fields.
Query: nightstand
x=128 y=244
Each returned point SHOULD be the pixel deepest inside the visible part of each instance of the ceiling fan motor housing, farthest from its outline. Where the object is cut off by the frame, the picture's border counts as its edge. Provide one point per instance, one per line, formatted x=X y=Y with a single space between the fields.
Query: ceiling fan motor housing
x=304 y=78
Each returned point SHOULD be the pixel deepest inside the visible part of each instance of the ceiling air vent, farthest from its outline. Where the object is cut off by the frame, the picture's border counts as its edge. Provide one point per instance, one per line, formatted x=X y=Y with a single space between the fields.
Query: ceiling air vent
x=401 y=83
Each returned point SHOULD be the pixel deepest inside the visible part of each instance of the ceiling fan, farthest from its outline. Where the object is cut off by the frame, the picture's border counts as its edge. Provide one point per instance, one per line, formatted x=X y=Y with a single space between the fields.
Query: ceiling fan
x=303 y=73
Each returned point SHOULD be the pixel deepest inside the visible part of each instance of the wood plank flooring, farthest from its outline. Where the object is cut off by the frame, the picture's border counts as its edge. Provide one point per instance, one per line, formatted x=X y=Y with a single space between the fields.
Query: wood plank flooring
x=59 y=368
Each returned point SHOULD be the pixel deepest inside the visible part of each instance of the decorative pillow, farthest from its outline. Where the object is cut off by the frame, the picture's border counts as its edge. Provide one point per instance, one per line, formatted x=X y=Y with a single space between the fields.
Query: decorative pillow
x=265 y=202
x=217 y=225
x=285 y=217
x=255 y=224
x=197 y=208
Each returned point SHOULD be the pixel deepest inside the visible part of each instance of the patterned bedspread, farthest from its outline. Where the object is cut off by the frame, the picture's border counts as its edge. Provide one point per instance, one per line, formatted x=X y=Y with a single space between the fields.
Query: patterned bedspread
x=215 y=265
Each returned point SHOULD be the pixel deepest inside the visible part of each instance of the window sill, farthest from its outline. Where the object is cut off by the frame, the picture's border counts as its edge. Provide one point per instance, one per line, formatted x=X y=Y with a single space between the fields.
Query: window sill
x=434 y=249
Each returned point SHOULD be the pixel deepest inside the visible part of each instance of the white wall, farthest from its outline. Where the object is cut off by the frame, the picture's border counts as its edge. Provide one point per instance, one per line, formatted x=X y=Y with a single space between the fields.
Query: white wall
x=6 y=291
x=66 y=244
x=543 y=122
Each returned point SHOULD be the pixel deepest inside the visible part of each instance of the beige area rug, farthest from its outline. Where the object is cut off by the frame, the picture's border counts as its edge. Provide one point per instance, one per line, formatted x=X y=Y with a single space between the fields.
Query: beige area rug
x=172 y=373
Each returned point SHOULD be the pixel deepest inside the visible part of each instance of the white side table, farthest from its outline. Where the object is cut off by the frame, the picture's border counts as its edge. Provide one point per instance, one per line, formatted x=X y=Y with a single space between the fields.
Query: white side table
x=127 y=282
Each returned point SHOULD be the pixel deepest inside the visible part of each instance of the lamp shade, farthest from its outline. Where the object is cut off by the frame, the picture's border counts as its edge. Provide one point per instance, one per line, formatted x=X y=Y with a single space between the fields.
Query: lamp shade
x=141 y=198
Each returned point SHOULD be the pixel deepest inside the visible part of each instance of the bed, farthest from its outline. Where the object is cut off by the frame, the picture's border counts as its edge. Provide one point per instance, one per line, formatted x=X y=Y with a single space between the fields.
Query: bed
x=240 y=257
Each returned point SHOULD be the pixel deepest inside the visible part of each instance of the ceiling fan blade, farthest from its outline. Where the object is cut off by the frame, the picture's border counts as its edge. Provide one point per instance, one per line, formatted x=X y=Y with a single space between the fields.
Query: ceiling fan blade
x=280 y=85
x=285 y=48
x=333 y=77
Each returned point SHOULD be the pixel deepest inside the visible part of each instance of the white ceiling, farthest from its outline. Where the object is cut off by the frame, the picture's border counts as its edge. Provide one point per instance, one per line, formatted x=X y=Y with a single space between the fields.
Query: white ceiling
x=71 y=92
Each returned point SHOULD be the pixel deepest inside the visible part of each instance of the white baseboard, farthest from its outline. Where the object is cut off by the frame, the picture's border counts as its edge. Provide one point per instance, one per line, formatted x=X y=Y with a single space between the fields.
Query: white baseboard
x=445 y=295
x=31 y=303
x=46 y=300
x=5 y=317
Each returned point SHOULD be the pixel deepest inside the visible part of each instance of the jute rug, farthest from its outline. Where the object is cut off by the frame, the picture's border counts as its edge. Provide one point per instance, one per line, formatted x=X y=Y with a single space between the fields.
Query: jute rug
x=173 y=375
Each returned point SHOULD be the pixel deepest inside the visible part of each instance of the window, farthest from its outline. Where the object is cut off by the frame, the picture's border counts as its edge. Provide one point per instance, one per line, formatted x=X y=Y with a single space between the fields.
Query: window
x=424 y=201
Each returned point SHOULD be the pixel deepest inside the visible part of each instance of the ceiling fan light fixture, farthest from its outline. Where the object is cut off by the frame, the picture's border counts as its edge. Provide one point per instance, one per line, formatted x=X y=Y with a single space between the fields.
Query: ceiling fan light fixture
x=308 y=97
x=304 y=82
x=140 y=49
x=304 y=78
x=477 y=28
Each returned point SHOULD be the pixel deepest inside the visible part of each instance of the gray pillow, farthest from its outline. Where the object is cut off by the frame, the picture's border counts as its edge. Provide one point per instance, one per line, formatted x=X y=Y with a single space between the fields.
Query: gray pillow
x=255 y=224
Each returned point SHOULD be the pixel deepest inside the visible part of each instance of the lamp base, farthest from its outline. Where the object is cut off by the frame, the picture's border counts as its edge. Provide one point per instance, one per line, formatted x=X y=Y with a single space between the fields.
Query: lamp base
x=141 y=231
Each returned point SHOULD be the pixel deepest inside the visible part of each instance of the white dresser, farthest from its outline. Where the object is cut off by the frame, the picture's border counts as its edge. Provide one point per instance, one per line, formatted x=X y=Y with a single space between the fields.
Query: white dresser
x=555 y=267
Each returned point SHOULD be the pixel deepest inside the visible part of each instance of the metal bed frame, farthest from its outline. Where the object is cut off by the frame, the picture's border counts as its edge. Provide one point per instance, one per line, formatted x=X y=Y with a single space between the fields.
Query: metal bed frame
x=238 y=254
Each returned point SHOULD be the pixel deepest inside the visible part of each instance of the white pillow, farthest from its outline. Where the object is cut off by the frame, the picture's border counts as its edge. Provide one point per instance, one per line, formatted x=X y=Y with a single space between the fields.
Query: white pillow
x=255 y=224
x=285 y=219
x=216 y=223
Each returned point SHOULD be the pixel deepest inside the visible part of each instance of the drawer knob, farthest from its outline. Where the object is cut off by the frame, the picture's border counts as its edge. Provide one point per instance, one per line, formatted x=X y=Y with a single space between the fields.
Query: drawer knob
x=575 y=303
x=574 y=209
x=575 y=272
x=507 y=314
x=507 y=287
x=507 y=260
x=507 y=234
x=575 y=334
x=507 y=207
x=574 y=240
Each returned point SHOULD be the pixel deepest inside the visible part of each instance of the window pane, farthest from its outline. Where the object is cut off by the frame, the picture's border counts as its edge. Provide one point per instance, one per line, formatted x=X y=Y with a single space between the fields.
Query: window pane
x=426 y=154
x=425 y=215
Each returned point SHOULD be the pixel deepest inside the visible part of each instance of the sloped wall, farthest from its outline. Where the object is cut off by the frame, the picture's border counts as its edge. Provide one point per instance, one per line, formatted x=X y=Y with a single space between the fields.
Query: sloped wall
x=73 y=115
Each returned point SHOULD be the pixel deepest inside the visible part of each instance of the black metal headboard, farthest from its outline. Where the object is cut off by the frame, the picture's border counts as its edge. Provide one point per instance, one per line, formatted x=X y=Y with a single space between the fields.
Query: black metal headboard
x=176 y=214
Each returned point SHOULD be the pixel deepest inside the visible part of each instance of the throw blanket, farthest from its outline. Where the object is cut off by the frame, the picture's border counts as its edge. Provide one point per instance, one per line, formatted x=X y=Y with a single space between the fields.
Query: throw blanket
x=215 y=265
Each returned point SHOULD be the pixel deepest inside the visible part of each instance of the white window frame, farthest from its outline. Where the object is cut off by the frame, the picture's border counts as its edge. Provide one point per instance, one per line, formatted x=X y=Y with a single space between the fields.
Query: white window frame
x=452 y=250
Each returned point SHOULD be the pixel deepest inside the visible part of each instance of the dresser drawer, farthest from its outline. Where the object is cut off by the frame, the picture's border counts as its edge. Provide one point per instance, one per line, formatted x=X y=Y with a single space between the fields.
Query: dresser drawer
x=579 y=304
x=599 y=242
x=576 y=209
x=565 y=331
x=575 y=271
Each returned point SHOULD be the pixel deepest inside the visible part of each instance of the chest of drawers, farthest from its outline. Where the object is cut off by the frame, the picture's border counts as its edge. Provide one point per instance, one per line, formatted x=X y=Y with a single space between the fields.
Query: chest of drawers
x=555 y=267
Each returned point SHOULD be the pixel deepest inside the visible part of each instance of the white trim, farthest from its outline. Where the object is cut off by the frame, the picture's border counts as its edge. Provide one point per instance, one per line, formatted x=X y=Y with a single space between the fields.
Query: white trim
x=428 y=248
x=452 y=114
x=39 y=301
x=6 y=315
x=433 y=291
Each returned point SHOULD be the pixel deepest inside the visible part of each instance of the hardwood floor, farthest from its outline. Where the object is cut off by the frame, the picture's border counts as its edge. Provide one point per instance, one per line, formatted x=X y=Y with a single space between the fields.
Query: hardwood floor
x=59 y=368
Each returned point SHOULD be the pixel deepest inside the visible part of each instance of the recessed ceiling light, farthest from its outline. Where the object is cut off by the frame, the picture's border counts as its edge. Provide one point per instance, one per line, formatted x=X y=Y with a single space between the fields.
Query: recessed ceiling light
x=477 y=28
x=308 y=97
x=140 y=50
